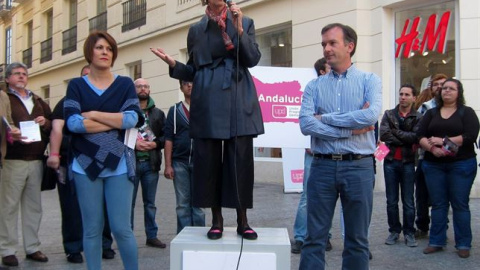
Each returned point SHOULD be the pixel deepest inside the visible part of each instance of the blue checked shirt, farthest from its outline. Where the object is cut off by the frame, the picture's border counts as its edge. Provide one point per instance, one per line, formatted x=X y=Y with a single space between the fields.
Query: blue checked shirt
x=339 y=99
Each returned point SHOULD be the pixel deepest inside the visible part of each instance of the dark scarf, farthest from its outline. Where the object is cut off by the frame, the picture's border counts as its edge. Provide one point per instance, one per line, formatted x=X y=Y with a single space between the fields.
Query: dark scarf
x=220 y=20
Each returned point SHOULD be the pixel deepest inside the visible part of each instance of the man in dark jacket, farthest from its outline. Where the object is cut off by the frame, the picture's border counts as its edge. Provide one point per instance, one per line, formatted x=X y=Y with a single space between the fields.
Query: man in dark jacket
x=148 y=151
x=397 y=130
x=179 y=160
x=23 y=169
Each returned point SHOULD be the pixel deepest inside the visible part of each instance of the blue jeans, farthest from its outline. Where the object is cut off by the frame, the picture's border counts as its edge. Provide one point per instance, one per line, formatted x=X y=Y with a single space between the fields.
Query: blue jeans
x=149 y=180
x=400 y=178
x=353 y=182
x=72 y=229
x=300 y=225
x=116 y=192
x=450 y=183
x=187 y=215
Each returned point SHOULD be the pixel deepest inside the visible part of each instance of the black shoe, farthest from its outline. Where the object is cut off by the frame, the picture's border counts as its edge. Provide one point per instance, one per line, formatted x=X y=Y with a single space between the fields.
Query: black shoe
x=10 y=260
x=75 y=258
x=247 y=233
x=155 y=242
x=370 y=256
x=296 y=247
x=215 y=233
x=329 y=245
x=108 y=253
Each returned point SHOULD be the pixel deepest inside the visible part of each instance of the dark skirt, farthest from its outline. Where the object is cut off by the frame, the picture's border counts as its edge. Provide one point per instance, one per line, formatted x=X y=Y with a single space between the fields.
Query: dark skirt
x=223 y=180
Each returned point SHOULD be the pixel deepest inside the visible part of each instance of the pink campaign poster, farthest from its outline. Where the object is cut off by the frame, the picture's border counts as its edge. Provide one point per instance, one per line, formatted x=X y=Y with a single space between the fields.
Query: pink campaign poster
x=280 y=92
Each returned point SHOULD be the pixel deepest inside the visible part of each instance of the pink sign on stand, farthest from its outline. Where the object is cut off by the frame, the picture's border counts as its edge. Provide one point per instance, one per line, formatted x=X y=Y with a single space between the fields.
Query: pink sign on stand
x=297 y=176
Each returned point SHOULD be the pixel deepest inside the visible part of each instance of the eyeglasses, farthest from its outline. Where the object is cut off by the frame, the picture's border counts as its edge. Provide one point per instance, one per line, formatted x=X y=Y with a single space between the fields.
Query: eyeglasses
x=187 y=83
x=445 y=88
x=140 y=86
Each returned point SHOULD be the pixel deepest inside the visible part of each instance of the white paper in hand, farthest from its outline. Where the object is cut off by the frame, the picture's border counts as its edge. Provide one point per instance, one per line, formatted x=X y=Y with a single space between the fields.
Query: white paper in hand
x=31 y=130
x=131 y=137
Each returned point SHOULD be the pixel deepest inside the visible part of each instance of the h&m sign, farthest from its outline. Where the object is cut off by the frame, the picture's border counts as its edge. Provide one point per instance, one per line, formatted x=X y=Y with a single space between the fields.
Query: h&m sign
x=433 y=38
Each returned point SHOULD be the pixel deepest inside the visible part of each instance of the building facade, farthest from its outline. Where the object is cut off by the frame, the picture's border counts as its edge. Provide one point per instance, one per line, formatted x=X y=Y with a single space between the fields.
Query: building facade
x=400 y=40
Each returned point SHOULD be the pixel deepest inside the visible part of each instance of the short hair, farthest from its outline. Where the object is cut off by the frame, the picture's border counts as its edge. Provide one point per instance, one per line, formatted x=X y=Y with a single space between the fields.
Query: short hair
x=83 y=68
x=182 y=81
x=437 y=77
x=349 y=35
x=204 y=2
x=320 y=65
x=92 y=39
x=460 y=98
x=15 y=65
x=414 y=90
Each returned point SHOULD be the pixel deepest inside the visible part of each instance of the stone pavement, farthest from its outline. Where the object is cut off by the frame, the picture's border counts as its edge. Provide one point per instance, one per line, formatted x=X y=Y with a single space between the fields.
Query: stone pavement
x=272 y=208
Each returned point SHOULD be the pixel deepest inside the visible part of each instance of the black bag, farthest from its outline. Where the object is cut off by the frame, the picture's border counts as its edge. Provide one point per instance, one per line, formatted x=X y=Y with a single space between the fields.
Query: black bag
x=49 y=180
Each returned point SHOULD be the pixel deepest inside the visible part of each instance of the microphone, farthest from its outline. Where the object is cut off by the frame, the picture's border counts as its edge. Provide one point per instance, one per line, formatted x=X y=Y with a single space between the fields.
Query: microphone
x=229 y=4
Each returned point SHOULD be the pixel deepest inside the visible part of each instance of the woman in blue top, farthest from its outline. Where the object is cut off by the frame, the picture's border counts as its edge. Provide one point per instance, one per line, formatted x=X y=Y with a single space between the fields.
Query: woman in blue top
x=99 y=107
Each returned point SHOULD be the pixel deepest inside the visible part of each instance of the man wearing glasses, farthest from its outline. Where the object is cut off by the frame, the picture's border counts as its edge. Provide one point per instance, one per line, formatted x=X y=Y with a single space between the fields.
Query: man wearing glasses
x=148 y=151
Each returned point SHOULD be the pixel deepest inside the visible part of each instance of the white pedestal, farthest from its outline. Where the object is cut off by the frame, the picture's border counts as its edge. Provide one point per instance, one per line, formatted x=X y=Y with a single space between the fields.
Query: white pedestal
x=191 y=249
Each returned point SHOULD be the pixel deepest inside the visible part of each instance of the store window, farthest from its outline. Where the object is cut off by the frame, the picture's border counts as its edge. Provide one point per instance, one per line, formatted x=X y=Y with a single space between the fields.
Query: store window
x=424 y=44
x=275 y=44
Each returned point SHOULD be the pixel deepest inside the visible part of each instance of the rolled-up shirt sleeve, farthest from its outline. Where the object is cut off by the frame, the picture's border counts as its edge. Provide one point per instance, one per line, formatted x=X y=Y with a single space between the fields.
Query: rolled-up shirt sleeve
x=75 y=124
x=130 y=119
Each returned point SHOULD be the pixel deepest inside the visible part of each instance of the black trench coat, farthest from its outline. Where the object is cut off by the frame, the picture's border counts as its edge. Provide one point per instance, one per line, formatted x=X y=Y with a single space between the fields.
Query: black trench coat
x=216 y=112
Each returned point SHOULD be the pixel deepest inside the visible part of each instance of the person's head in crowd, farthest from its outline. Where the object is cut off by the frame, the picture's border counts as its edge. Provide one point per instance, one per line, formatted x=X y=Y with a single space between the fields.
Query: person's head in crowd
x=407 y=96
x=143 y=88
x=16 y=76
x=186 y=88
x=451 y=94
x=436 y=83
x=100 y=50
x=85 y=70
x=321 y=66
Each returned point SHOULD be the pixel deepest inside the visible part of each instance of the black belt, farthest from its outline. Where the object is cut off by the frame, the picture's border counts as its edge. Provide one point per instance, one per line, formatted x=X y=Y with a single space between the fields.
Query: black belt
x=349 y=157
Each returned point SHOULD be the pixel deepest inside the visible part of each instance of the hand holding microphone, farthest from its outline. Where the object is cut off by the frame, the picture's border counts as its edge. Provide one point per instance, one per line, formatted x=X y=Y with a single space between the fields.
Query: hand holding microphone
x=237 y=16
x=231 y=4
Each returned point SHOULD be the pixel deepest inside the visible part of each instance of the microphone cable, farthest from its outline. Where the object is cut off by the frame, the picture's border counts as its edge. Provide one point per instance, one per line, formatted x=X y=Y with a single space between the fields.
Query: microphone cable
x=237 y=71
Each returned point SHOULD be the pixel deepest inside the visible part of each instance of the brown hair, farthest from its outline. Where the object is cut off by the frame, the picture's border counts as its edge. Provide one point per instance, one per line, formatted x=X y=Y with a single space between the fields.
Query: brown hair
x=92 y=39
x=424 y=96
x=437 y=77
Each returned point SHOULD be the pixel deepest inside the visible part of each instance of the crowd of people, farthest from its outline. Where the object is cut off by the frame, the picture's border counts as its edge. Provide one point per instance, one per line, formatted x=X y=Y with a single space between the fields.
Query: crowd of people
x=100 y=170
x=208 y=139
x=431 y=159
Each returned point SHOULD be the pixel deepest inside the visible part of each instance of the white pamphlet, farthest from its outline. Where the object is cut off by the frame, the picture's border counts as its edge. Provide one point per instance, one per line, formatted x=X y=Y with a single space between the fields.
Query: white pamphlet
x=31 y=131
x=131 y=137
